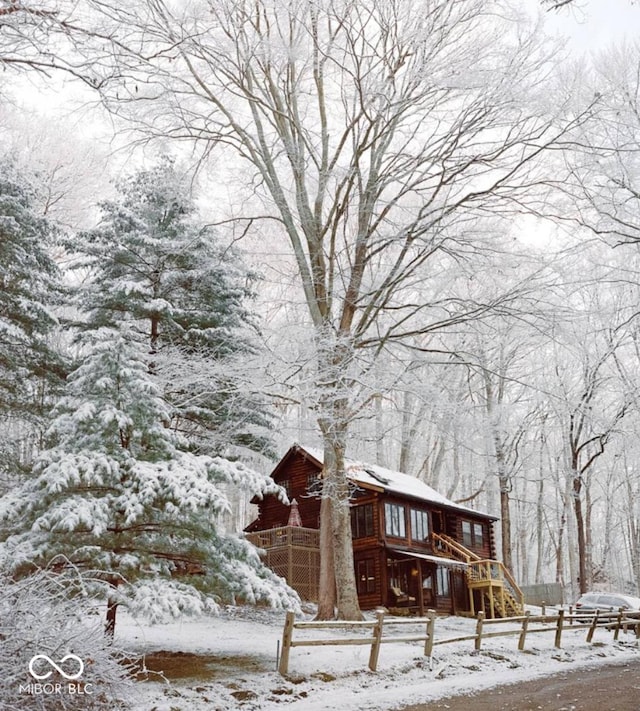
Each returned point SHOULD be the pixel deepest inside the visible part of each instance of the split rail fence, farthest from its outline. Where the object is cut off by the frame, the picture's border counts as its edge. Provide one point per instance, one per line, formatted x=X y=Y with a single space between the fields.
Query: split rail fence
x=521 y=627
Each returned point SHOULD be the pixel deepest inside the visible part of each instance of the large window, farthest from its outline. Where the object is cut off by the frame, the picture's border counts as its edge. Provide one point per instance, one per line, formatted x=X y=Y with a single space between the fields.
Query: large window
x=394 y=520
x=366 y=576
x=472 y=534
x=362 y=521
x=419 y=525
x=442 y=578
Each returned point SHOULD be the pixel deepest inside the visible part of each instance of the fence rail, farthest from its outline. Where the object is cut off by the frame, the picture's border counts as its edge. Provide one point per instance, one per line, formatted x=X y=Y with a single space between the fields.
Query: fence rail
x=522 y=626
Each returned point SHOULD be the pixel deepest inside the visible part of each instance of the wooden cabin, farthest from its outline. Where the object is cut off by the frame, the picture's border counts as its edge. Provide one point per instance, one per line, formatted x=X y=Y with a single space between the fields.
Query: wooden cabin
x=413 y=548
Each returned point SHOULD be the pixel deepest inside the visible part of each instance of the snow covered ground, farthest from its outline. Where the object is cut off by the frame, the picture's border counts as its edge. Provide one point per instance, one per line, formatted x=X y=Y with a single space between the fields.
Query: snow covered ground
x=229 y=662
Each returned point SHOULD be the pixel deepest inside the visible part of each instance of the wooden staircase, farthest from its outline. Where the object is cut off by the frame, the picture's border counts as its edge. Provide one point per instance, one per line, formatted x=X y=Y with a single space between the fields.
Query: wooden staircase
x=491 y=586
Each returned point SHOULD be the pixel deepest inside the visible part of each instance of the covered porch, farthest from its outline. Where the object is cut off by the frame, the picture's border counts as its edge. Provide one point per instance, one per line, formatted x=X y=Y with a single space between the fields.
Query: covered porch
x=421 y=582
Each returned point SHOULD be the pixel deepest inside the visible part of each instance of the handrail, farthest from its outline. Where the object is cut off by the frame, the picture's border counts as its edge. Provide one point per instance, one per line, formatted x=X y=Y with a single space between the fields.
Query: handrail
x=486 y=570
x=455 y=548
x=285 y=536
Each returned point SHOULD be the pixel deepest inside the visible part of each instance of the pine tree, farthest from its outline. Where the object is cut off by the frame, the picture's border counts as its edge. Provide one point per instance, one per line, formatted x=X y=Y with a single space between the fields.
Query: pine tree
x=155 y=266
x=119 y=496
x=29 y=290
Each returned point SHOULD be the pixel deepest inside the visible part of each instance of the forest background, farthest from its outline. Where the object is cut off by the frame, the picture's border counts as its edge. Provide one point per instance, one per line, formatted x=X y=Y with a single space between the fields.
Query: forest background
x=514 y=386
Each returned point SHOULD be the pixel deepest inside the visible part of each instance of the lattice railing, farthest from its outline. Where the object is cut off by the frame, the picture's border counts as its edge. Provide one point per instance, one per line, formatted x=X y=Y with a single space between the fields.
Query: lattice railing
x=285 y=536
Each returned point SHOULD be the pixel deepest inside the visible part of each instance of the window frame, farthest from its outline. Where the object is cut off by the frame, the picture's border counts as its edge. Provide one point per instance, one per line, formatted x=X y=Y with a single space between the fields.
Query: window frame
x=443 y=586
x=366 y=582
x=473 y=533
x=362 y=521
x=419 y=516
x=395 y=514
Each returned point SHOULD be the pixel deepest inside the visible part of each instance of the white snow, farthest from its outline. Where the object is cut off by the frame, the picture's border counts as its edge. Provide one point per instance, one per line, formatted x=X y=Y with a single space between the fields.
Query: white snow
x=244 y=644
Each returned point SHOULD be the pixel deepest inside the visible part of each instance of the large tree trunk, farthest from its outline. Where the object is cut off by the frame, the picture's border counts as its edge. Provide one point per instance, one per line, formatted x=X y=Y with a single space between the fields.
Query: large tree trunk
x=505 y=513
x=333 y=408
x=327 y=587
x=342 y=584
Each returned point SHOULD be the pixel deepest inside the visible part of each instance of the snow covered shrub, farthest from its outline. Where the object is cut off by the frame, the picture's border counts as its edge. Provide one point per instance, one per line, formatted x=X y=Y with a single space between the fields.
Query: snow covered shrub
x=53 y=650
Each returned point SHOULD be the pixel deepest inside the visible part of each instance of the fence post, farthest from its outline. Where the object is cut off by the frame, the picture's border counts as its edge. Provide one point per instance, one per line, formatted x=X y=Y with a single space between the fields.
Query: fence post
x=479 y=624
x=287 y=634
x=375 y=642
x=593 y=625
x=559 y=629
x=618 y=625
x=523 y=633
x=431 y=626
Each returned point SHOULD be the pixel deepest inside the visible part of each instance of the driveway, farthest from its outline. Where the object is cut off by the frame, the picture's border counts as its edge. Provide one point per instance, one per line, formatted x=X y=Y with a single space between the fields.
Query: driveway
x=599 y=688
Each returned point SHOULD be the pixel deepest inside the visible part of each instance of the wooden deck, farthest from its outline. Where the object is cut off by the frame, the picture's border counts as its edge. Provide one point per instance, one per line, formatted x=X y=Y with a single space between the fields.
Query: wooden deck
x=293 y=552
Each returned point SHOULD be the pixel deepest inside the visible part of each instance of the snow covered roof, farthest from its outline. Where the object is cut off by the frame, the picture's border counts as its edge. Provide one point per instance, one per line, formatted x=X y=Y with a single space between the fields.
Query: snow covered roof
x=372 y=476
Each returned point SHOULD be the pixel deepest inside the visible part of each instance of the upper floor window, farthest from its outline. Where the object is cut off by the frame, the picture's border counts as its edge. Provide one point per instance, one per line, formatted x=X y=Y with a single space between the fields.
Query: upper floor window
x=419 y=525
x=394 y=520
x=286 y=485
x=362 y=521
x=472 y=534
x=314 y=483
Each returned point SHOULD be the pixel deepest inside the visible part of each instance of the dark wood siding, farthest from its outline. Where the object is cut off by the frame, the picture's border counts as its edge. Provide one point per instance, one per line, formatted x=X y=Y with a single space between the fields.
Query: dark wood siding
x=297 y=476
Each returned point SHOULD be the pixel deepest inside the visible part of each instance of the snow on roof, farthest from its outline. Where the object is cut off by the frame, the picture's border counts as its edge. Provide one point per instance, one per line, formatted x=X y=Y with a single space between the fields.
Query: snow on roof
x=371 y=475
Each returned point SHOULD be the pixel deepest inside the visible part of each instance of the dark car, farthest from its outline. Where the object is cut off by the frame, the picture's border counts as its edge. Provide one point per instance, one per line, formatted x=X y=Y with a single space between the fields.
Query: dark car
x=606 y=602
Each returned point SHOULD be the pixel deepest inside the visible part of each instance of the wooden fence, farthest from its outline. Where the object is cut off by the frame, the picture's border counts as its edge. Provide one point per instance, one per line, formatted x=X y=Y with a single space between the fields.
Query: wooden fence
x=521 y=626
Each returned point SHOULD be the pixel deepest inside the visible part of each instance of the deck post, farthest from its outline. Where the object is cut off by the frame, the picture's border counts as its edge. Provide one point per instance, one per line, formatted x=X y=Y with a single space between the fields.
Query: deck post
x=287 y=635
x=375 y=642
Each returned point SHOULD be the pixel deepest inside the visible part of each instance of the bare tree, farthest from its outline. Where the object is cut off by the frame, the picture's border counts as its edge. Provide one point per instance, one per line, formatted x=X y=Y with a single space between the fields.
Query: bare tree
x=376 y=135
x=47 y=36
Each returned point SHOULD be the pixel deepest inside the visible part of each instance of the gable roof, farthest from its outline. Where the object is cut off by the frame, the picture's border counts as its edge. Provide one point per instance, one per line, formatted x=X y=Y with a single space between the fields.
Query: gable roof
x=374 y=477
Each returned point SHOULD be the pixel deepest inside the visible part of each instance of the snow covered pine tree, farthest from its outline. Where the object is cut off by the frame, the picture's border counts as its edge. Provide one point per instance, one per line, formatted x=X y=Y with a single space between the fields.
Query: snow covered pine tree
x=121 y=497
x=131 y=486
x=30 y=370
x=157 y=266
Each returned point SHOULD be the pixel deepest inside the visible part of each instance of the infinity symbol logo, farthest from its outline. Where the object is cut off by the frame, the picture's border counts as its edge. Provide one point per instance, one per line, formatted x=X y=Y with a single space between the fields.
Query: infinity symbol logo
x=58 y=668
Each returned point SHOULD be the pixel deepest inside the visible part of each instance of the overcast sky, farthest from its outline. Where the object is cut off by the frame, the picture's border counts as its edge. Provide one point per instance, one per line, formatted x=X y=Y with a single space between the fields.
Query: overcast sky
x=592 y=24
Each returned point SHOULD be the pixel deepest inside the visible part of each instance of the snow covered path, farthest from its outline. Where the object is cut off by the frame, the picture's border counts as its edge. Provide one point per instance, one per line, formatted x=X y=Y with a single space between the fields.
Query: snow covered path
x=229 y=662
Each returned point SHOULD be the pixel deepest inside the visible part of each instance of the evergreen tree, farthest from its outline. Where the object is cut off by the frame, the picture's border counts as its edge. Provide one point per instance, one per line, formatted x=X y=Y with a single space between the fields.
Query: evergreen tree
x=154 y=266
x=29 y=290
x=119 y=496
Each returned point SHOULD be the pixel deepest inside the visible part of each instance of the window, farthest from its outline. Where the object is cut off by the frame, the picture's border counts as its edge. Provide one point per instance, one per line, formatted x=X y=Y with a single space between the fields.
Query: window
x=394 y=521
x=286 y=485
x=314 y=484
x=442 y=578
x=478 y=535
x=472 y=534
x=419 y=525
x=362 y=521
x=366 y=576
